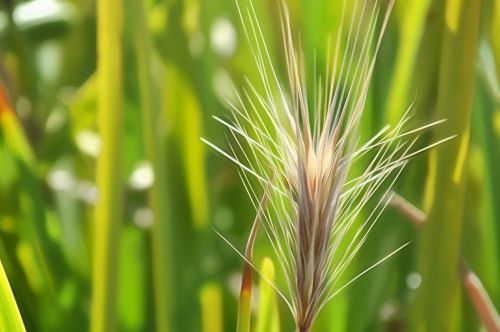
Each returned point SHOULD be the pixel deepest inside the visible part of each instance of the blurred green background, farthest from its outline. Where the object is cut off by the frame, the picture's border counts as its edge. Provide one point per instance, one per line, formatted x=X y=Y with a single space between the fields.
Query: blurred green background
x=105 y=101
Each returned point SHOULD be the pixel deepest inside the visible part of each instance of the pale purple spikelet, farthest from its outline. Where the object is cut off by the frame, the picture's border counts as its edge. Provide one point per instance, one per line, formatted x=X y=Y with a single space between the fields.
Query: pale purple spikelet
x=303 y=150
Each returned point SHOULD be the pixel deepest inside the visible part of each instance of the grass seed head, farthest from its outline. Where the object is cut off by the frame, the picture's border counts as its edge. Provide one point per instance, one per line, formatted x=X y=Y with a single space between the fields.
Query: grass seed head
x=301 y=145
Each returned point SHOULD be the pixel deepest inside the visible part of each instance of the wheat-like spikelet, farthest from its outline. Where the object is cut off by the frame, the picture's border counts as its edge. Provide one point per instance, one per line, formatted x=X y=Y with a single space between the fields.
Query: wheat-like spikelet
x=303 y=148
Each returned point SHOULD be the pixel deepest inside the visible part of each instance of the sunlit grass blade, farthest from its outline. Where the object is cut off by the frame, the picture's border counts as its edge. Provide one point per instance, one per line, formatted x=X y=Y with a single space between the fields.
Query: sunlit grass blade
x=10 y=318
x=108 y=210
x=268 y=319
x=211 y=308
x=439 y=250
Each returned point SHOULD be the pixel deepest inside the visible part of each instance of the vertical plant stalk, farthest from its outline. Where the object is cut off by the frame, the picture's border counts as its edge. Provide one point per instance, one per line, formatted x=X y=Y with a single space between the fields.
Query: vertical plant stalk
x=108 y=211
x=161 y=236
x=439 y=251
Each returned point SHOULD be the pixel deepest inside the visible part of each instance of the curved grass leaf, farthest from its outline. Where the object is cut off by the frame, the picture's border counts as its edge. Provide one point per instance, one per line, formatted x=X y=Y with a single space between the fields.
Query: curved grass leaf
x=10 y=318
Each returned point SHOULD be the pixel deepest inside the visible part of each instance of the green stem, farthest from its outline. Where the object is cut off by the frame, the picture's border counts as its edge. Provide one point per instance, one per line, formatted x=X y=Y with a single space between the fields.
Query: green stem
x=439 y=252
x=158 y=196
x=108 y=211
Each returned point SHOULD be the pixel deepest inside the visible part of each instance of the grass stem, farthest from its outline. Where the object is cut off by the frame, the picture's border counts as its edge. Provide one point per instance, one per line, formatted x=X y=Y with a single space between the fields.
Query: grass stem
x=159 y=194
x=108 y=211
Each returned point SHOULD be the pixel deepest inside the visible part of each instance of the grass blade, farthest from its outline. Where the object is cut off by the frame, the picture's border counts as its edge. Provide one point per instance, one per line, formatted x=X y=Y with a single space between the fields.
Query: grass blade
x=211 y=307
x=10 y=318
x=268 y=315
x=411 y=30
x=159 y=193
x=441 y=236
x=108 y=211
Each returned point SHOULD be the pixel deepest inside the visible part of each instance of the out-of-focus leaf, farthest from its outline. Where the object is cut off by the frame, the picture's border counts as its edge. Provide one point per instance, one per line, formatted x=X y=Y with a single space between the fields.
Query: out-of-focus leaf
x=34 y=225
x=12 y=131
x=132 y=272
x=410 y=30
x=495 y=34
x=268 y=319
x=185 y=119
x=439 y=253
x=83 y=108
x=211 y=308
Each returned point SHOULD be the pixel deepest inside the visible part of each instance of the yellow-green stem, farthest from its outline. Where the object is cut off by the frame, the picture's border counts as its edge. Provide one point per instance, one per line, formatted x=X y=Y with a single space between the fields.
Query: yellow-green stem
x=439 y=252
x=155 y=153
x=108 y=211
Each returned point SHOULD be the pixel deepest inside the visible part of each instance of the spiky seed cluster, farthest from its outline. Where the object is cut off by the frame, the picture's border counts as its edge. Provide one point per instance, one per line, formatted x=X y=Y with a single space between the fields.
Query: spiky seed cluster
x=304 y=153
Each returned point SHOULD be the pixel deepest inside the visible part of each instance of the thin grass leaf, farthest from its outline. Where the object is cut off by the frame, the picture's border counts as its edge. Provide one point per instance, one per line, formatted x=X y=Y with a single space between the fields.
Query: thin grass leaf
x=10 y=318
x=159 y=195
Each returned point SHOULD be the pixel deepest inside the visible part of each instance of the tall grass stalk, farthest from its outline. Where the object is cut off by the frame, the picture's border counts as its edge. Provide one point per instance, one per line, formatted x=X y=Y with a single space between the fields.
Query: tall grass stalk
x=441 y=235
x=159 y=195
x=108 y=211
